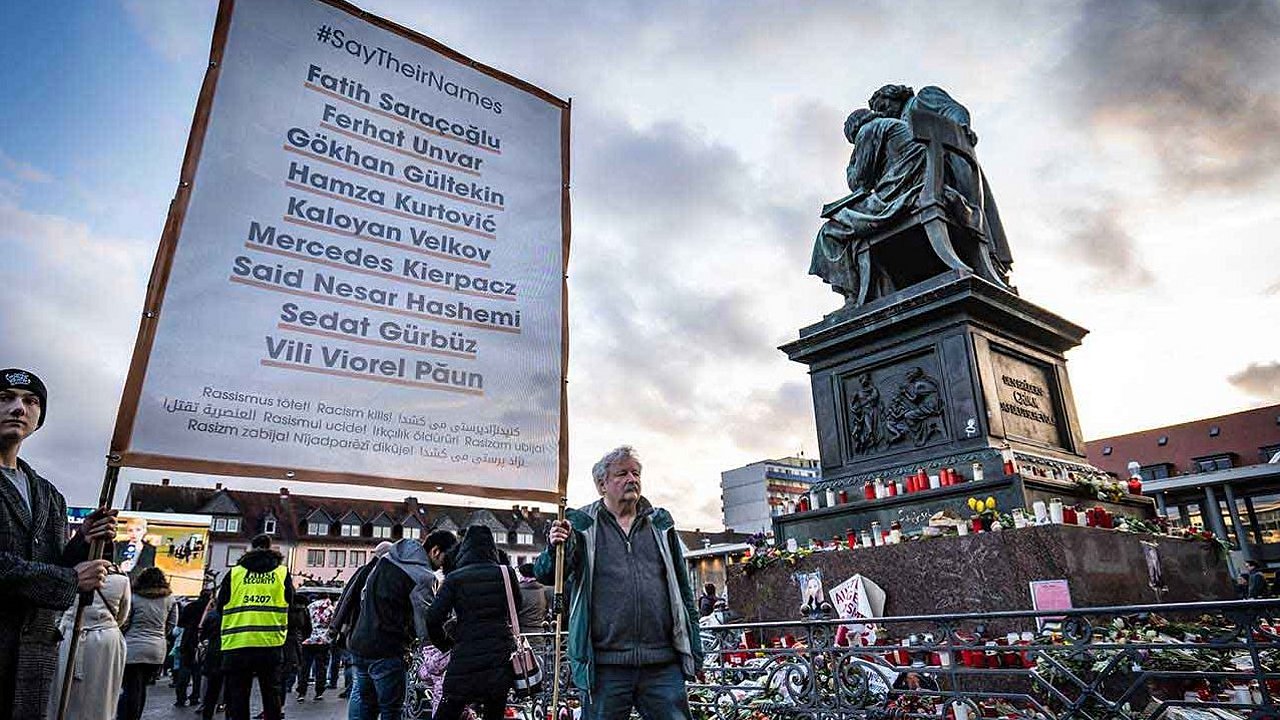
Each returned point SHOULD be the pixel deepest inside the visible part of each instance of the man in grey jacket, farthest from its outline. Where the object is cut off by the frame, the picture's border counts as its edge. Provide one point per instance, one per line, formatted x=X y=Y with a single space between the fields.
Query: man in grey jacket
x=41 y=573
x=633 y=630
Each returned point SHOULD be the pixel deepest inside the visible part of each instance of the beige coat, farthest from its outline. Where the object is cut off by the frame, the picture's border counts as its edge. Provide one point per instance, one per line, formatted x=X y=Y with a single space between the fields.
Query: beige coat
x=99 y=656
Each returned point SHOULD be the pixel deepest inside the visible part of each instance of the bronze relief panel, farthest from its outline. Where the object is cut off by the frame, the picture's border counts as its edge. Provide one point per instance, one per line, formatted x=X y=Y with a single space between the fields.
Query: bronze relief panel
x=894 y=407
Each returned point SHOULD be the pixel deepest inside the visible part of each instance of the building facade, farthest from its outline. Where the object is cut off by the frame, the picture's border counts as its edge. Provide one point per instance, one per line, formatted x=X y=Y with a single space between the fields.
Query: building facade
x=750 y=496
x=1221 y=474
x=325 y=539
x=709 y=555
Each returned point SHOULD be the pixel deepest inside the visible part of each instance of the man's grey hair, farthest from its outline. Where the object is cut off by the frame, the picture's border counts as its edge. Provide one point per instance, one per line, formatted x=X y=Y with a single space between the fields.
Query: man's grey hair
x=618 y=454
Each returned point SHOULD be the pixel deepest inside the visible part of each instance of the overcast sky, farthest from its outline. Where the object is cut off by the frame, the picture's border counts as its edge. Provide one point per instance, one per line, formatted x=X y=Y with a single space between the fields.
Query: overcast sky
x=1134 y=149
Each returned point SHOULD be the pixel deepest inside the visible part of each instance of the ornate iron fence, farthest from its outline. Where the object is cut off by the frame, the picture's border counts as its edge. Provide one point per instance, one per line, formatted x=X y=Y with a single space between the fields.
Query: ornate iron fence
x=1198 y=661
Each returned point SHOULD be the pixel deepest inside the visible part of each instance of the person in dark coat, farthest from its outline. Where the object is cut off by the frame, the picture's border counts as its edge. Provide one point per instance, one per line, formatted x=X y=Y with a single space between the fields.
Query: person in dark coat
x=707 y=600
x=344 y=620
x=383 y=631
x=299 y=627
x=211 y=637
x=1256 y=584
x=189 y=674
x=41 y=572
x=480 y=667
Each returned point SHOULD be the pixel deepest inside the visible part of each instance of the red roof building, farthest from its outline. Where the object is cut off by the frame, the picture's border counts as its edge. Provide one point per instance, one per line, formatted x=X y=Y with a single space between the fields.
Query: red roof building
x=327 y=538
x=1220 y=473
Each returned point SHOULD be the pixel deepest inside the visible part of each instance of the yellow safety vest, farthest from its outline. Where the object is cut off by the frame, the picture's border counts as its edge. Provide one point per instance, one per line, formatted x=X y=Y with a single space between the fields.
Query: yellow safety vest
x=257 y=614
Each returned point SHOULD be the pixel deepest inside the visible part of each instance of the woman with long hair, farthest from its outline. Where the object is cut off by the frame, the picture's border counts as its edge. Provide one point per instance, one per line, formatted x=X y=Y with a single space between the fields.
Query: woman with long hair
x=152 y=618
x=95 y=681
x=479 y=669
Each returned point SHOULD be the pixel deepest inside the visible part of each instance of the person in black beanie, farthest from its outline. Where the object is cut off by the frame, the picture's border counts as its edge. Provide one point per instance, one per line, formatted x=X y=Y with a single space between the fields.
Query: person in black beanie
x=42 y=573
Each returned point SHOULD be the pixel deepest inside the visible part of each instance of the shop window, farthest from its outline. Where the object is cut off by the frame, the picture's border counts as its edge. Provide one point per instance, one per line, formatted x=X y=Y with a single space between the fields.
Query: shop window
x=1154 y=472
x=1213 y=462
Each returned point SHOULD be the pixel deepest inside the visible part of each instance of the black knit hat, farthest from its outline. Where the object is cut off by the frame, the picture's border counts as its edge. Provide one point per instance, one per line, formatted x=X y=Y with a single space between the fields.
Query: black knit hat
x=26 y=380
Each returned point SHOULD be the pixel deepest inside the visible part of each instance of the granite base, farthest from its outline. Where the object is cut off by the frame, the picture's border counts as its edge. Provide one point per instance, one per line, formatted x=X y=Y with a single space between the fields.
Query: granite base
x=992 y=571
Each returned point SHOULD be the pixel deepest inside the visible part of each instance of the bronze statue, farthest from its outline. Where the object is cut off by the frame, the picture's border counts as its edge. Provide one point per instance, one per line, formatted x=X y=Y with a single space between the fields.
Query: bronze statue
x=912 y=165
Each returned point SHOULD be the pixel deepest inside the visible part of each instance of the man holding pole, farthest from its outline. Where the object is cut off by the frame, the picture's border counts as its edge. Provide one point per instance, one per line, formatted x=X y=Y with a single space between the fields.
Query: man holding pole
x=41 y=573
x=633 y=629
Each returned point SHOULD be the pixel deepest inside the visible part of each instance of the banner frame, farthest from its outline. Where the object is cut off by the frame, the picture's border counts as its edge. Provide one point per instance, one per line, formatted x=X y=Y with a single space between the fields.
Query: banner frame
x=121 y=456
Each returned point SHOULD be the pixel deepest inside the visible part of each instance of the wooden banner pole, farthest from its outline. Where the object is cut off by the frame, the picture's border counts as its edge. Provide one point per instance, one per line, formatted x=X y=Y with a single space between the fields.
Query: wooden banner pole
x=95 y=552
x=559 y=608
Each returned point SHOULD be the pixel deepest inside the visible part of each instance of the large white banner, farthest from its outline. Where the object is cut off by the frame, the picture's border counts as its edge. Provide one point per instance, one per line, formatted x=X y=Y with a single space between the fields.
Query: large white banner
x=367 y=282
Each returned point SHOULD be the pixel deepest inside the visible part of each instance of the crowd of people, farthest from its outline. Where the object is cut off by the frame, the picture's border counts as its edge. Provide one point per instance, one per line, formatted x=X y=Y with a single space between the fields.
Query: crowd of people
x=633 y=634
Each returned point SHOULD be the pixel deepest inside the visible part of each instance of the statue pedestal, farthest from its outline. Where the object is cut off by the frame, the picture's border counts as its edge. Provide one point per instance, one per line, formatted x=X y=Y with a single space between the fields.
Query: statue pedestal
x=950 y=372
x=993 y=571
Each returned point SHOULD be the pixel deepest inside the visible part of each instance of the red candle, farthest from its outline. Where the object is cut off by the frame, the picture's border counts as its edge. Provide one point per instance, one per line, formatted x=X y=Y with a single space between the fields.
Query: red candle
x=844 y=496
x=947 y=478
x=1069 y=516
x=803 y=506
x=868 y=490
x=1135 y=486
x=1009 y=467
x=851 y=538
x=892 y=488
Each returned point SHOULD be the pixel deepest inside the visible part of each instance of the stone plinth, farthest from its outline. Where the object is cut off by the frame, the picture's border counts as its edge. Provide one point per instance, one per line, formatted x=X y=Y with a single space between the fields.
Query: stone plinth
x=948 y=373
x=992 y=571
x=913 y=510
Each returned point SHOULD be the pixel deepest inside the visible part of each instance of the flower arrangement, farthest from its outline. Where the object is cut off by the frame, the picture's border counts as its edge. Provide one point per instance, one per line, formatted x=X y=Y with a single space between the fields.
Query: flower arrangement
x=983 y=508
x=1103 y=488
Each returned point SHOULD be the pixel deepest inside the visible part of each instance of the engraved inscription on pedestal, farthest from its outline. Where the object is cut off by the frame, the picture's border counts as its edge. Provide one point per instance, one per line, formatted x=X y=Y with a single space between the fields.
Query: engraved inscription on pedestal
x=1025 y=393
x=899 y=406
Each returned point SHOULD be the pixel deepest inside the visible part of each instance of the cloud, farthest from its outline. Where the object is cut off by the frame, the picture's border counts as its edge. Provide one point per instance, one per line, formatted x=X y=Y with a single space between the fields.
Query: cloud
x=1273 y=288
x=23 y=172
x=774 y=420
x=1096 y=237
x=1261 y=380
x=178 y=31
x=1195 y=79
x=70 y=316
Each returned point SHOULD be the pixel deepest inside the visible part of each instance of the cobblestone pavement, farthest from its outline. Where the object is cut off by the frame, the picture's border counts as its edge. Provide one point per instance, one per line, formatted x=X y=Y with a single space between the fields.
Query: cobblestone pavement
x=160 y=706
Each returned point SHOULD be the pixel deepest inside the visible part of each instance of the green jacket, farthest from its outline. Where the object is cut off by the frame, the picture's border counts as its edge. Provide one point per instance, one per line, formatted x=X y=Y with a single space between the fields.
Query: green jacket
x=579 y=557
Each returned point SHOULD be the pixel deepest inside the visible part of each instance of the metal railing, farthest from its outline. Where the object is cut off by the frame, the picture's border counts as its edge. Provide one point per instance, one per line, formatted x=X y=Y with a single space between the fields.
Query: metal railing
x=1198 y=661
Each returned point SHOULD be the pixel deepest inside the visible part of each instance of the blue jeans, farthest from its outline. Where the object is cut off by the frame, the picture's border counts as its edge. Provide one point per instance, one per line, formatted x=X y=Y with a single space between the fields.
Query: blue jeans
x=655 y=691
x=377 y=689
x=336 y=659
